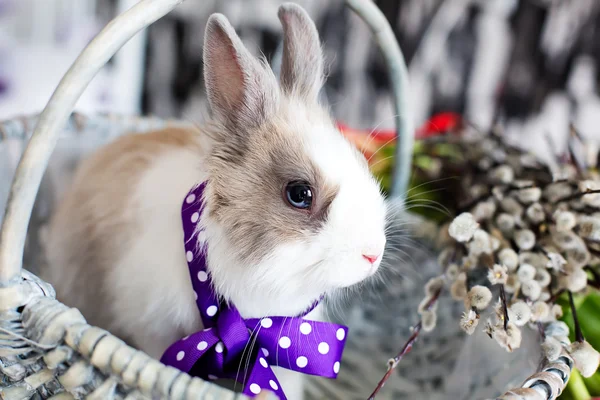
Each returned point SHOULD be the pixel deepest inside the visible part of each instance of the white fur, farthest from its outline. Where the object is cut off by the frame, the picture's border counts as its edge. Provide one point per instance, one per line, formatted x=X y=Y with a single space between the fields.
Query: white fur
x=152 y=300
x=155 y=303
x=295 y=274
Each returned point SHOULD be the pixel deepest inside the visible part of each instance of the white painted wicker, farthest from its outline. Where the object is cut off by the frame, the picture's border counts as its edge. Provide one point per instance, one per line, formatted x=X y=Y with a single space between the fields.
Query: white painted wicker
x=47 y=350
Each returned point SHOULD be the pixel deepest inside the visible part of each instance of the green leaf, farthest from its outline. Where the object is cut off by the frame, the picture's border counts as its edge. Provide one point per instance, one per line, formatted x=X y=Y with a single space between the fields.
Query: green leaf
x=448 y=150
x=588 y=310
x=576 y=389
x=588 y=314
x=593 y=384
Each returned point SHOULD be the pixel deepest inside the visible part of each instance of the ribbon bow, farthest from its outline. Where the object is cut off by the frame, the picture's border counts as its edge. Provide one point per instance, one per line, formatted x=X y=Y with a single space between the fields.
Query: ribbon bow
x=310 y=347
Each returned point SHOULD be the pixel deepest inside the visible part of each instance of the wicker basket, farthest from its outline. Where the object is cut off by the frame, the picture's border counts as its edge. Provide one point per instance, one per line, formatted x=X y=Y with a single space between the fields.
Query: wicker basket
x=47 y=350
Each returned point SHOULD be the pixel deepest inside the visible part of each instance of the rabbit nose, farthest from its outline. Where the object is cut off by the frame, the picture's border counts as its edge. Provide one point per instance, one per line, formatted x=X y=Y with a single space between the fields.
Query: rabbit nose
x=371 y=258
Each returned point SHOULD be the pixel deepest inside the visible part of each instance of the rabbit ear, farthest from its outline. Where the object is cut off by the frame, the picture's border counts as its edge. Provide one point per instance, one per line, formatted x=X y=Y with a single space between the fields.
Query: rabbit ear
x=302 y=61
x=241 y=90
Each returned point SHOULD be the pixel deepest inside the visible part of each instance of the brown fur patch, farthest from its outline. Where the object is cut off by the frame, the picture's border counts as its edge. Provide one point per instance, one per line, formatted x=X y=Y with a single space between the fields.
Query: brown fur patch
x=247 y=188
x=256 y=151
x=241 y=90
x=98 y=201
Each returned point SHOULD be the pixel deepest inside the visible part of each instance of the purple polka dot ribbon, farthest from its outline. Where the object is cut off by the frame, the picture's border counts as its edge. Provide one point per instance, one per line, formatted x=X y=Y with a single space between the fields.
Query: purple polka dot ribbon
x=231 y=347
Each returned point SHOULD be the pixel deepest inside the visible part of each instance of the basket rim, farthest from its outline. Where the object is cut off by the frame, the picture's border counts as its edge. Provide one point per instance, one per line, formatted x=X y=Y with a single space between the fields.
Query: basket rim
x=96 y=54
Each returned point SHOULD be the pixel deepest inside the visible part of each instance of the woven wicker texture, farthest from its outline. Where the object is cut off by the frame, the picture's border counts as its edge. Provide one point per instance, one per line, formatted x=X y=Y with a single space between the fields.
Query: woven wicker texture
x=47 y=350
x=379 y=319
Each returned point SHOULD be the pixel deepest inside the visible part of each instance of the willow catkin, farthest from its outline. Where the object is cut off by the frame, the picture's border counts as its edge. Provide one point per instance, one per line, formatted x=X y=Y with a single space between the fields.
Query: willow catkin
x=522 y=233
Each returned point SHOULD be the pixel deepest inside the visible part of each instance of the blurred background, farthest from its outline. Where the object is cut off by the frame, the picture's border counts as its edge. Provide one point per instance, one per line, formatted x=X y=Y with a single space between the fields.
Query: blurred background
x=532 y=62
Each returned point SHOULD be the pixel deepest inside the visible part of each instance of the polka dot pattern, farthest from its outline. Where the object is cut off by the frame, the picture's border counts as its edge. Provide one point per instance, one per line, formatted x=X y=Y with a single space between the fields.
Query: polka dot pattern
x=323 y=348
x=305 y=328
x=254 y=388
x=266 y=322
x=211 y=310
x=285 y=342
x=219 y=347
x=301 y=361
x=294 y=343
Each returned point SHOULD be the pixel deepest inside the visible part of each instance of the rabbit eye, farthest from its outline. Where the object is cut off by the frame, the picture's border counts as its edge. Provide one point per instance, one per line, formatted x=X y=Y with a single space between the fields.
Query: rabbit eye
x=299 y=194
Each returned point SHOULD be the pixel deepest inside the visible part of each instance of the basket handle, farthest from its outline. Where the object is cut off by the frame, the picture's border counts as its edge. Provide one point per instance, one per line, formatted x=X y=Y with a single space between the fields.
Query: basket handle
x=397 y=71
x=35 y=158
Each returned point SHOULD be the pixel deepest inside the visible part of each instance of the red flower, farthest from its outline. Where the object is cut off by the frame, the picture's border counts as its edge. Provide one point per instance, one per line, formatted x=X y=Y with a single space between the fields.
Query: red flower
x=436 y=125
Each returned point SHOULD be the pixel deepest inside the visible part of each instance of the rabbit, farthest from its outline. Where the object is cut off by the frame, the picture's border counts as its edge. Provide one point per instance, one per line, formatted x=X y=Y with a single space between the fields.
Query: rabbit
x=292 y=211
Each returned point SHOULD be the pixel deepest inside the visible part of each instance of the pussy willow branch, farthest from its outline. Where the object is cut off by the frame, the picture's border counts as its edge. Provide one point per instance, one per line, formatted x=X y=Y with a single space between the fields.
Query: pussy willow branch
x=510 y=188
x=555 y=296
x=393 y=362
x=504 y=306
x=578 y=333
x=591 y=249
x=596 y=281
x=576 y=195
